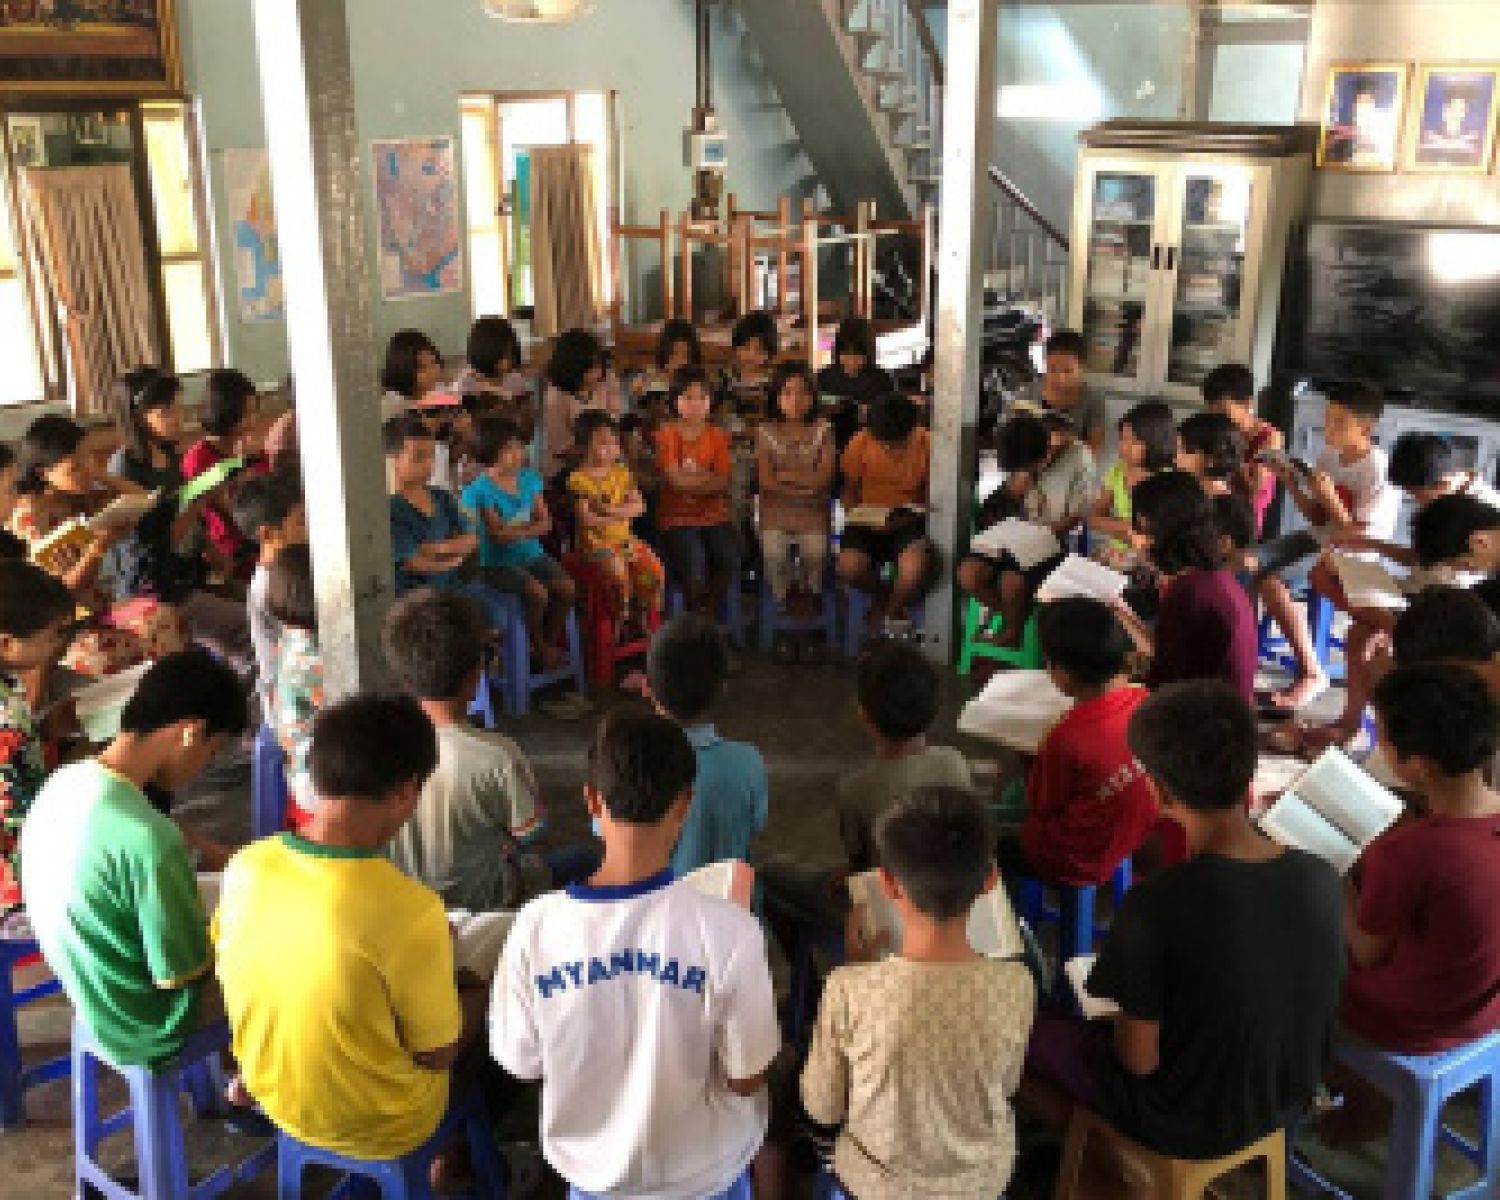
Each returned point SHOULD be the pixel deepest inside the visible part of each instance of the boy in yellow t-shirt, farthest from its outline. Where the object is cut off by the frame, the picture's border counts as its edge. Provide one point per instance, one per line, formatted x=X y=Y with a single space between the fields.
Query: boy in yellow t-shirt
x=606 y=501
x=337 y=970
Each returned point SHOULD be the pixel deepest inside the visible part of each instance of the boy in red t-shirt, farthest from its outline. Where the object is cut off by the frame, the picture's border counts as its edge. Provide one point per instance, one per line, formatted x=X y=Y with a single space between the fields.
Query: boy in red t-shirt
x=1088 y=802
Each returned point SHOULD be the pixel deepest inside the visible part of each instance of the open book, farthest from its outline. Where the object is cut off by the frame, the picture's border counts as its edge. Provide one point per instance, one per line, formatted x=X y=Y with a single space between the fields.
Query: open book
x=1016 y=709
x=1333 y=809
x=992 y=925
x=1092 y=1007
x=873 y=516
x=1078 y=576
x=55 y=552
x=1367 y=583
x=1026 y=542
x=729 y=879
x=100 y=705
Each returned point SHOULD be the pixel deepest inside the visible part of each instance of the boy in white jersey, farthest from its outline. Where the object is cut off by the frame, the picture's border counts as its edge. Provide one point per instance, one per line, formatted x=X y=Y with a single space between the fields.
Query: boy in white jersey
x=643 y=1005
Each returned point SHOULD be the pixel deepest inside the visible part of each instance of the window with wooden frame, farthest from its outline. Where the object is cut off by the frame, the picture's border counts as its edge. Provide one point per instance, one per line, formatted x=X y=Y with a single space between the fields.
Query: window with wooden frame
x=499 y=130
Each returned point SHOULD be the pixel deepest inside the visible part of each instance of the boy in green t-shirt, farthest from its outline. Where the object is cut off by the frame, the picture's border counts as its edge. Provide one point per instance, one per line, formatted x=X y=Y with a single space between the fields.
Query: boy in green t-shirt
x=109 y=882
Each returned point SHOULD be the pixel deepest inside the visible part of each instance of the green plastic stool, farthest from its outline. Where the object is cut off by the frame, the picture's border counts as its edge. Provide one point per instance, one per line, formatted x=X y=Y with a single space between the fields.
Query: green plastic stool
x=1027 y=656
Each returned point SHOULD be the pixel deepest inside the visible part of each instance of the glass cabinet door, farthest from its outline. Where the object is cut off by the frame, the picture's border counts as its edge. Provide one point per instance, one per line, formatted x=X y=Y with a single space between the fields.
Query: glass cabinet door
x=1209 y=263
x=1117 y=280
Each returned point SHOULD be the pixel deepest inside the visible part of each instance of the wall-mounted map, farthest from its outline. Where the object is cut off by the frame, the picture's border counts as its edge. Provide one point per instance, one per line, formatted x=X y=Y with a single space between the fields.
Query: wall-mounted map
x=257 y=252
x=417 y=216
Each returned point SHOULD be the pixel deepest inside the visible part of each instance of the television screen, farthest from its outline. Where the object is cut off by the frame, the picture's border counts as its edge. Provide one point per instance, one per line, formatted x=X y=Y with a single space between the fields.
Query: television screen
x=1412 y=308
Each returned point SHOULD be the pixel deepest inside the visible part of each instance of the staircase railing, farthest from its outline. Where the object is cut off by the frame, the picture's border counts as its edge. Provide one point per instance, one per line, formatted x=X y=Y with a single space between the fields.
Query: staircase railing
x=1028 y=254
x=901 y=54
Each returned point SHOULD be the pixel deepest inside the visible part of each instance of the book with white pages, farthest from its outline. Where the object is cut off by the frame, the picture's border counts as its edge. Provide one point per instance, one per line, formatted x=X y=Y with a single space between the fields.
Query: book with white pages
x=1334 y=809
x=730 y=879
x=1025 y=541
x=101 y=705
x=1079 y=576
x=1091 y=1006
x=1367 y=583
x=1016 y=709
x=992 y=928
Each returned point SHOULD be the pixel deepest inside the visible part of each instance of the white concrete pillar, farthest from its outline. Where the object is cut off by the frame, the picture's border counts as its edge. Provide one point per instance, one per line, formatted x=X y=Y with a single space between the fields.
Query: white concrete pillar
x=320 y=187
x=968 y=140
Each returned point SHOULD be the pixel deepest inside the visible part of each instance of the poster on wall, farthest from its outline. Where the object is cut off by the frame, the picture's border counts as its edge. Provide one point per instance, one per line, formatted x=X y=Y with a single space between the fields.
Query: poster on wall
x=1453 y=120
x=89 y=46
x=257 y=252
x=1362 y=115
x=417 y=217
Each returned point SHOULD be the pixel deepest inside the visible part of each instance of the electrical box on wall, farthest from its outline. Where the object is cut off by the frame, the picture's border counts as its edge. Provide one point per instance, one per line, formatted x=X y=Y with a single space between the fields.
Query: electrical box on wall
x=707 y=151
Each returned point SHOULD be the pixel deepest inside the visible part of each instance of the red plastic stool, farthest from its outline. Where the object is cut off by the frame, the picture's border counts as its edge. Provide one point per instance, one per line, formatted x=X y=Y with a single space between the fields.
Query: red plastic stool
x=602 y=648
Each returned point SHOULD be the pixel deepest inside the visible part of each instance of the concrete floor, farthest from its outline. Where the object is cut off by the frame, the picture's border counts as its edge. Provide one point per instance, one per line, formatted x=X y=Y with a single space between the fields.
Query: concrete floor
x=803 y=719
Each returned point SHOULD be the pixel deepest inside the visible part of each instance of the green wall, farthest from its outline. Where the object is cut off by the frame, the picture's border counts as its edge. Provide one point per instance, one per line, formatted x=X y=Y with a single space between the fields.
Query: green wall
x=412 y=62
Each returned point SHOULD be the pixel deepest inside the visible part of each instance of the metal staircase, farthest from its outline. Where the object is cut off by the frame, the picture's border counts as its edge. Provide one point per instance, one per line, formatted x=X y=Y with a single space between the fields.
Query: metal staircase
x=1027 y=256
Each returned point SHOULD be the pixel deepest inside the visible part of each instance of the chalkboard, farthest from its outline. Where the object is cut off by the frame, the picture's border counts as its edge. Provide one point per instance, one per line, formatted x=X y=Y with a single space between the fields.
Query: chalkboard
x=1411 y=308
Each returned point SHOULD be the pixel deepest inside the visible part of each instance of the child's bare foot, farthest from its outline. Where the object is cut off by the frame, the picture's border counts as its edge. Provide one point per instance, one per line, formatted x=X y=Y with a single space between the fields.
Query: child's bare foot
x=1302 y=693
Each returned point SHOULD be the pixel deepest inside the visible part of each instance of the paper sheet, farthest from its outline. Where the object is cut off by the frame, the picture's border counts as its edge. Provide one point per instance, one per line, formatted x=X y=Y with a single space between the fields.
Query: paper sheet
x=1078 y=576
x=992 y=927
x=1016 y=709
x=1025 y=541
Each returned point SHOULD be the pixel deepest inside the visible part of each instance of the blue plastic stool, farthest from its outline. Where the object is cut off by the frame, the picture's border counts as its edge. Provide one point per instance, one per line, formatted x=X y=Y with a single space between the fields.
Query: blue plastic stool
x=516 y=679
x=268 y=791
x=826 y=1186
x=1320 y=614
x=1074 y=911
x=160 y=1160
x=15 y=1076
x=859 y=608
x=1419 y=1085
x=773 y=620
x=731 y=614
x=404 y=1178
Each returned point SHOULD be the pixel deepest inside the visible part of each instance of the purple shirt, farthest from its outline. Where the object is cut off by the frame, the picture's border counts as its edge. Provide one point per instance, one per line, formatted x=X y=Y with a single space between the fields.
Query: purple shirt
x=1206 y=630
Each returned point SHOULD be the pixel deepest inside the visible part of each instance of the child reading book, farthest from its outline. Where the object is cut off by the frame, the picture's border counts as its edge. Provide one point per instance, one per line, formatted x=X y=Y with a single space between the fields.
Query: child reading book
x=1147 y=444
x=853 y=381
x=1230 y=389
x=227 y=417
x=1064 y=390
x=879 y=1052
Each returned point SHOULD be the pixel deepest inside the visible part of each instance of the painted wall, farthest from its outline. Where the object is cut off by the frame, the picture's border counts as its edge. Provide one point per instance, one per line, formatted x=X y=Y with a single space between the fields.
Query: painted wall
x=410 y=70
x=1402 y=31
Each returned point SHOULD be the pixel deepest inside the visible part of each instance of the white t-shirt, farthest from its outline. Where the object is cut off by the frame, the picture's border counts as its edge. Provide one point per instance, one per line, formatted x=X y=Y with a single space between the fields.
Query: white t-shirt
x=1371 y=499
x=265 y=632
x=634 y=1005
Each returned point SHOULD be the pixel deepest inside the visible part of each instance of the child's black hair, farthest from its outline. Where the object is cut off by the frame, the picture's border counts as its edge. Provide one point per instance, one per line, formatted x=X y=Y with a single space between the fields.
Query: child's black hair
x=1234 y=518
x=1487 y=591
x=434 y=642
x=783 y=374
x=1440 y=531
x=893 y=416
x=1066 y=341
x=47 y=441
x=403 y=353
x=1023 y=443
x=855 y=335
x=1197 y=740
x=898 y=691
x=686 y=665
x=7 y=456
x=678 y=332
x=290 y=593
x=265 y=502
x=226 y=400
x=1446 y=624
x=492 y=341
x=758 y=325
x=137 y=392
x=1442 y=713
x=936 y=842
x=491 y=436
x=396 y=431
x=366 y=746
x=1360 y=399
x=589 y=422
x=1229 y=383
x=684 y=378
x=31 y=599
x=1213 y=435
x=575 y=353
x=1081 y=636
x=1152 y=423
x=187 y=686
x=1420 y=459
x=1172 y=507
x=640 y=763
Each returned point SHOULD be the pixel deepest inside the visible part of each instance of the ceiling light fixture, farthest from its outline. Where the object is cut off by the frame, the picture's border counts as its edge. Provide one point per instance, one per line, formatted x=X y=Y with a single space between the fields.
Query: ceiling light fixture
x=538 y=12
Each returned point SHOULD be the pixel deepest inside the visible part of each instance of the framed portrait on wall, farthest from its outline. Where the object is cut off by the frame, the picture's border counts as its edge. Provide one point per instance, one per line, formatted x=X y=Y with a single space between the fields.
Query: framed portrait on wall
x=28 y=141
x=1453 y=119
x=111 y=47
x=1363 y=109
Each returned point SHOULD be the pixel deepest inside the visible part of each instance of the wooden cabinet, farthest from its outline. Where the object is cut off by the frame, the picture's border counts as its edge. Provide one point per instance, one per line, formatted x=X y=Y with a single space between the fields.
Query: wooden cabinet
x=1180 y=236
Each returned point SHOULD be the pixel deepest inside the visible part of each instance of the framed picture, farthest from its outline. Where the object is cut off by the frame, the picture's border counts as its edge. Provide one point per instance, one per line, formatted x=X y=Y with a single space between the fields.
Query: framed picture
x=1362 y=115
x=418 y=220
x=1453 y=119
x=28 y=144
x=90 y=46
